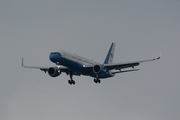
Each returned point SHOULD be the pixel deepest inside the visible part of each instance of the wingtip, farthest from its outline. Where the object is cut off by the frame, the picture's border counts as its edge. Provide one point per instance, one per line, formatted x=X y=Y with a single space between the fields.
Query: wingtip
x=158 y=57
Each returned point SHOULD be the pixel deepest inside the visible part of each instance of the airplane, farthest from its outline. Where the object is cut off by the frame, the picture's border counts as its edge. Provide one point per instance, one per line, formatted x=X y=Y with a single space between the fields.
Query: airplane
x=73 y=64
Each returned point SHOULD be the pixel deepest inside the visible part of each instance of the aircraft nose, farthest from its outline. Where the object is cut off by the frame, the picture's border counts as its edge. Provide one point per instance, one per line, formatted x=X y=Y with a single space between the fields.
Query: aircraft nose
x=52 y=57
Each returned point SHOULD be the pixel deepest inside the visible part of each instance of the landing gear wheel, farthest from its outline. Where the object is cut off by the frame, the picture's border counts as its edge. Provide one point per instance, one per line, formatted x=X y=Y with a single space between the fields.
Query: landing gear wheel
x=97 y=80
x=71 y=82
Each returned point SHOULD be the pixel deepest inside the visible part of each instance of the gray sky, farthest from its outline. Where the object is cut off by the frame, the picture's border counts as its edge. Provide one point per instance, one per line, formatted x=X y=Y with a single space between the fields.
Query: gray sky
x=140 y=29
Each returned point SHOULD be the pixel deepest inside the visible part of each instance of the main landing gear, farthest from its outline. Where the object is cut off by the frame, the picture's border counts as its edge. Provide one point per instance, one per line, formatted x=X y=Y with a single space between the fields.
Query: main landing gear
x=71 y=81
x=96 y=80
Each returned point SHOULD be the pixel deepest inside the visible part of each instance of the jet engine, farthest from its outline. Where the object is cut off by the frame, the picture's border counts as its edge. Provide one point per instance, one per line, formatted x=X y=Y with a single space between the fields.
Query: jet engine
x=98 y=68
x=53 y=72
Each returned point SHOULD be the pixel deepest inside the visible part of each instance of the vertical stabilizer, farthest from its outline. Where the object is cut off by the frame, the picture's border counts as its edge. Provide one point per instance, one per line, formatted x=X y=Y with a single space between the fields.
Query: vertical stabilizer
x=110 y=55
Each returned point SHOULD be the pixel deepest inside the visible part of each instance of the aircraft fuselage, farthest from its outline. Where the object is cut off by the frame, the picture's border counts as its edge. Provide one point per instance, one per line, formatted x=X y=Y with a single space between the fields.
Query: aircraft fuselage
x=76 y=63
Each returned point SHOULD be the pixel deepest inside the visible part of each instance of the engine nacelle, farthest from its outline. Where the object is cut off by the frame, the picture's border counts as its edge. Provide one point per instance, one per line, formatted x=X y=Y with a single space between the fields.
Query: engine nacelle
x=53 y=72
x=97 y=69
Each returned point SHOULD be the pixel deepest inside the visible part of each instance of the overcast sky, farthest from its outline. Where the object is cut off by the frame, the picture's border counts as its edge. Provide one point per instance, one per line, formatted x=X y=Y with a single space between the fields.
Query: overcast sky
x=140 y=29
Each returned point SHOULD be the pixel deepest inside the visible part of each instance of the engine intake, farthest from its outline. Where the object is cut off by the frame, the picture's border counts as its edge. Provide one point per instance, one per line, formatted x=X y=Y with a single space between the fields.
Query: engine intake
x=53 y=72
x=97 y=69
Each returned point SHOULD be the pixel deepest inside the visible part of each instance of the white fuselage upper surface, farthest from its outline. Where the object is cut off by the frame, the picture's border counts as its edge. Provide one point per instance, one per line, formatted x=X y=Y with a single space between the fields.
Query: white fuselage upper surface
x=77 y=58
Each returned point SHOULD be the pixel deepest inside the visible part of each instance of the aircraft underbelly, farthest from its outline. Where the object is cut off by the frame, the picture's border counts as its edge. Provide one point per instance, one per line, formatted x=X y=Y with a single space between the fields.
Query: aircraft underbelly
x=77 y=67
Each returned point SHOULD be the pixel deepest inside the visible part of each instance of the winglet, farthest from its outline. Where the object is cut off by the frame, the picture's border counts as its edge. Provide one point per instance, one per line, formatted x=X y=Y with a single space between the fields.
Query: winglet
x=158 y=57
x=23 y=63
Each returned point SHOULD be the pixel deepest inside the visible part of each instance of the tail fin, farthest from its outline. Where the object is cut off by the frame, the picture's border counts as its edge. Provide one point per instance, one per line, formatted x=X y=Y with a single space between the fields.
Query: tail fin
x=110 y=55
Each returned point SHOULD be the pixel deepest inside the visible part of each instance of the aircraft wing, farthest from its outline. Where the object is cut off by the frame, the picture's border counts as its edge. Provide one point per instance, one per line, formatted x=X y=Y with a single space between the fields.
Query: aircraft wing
x=119 y=66
x=45 y=69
